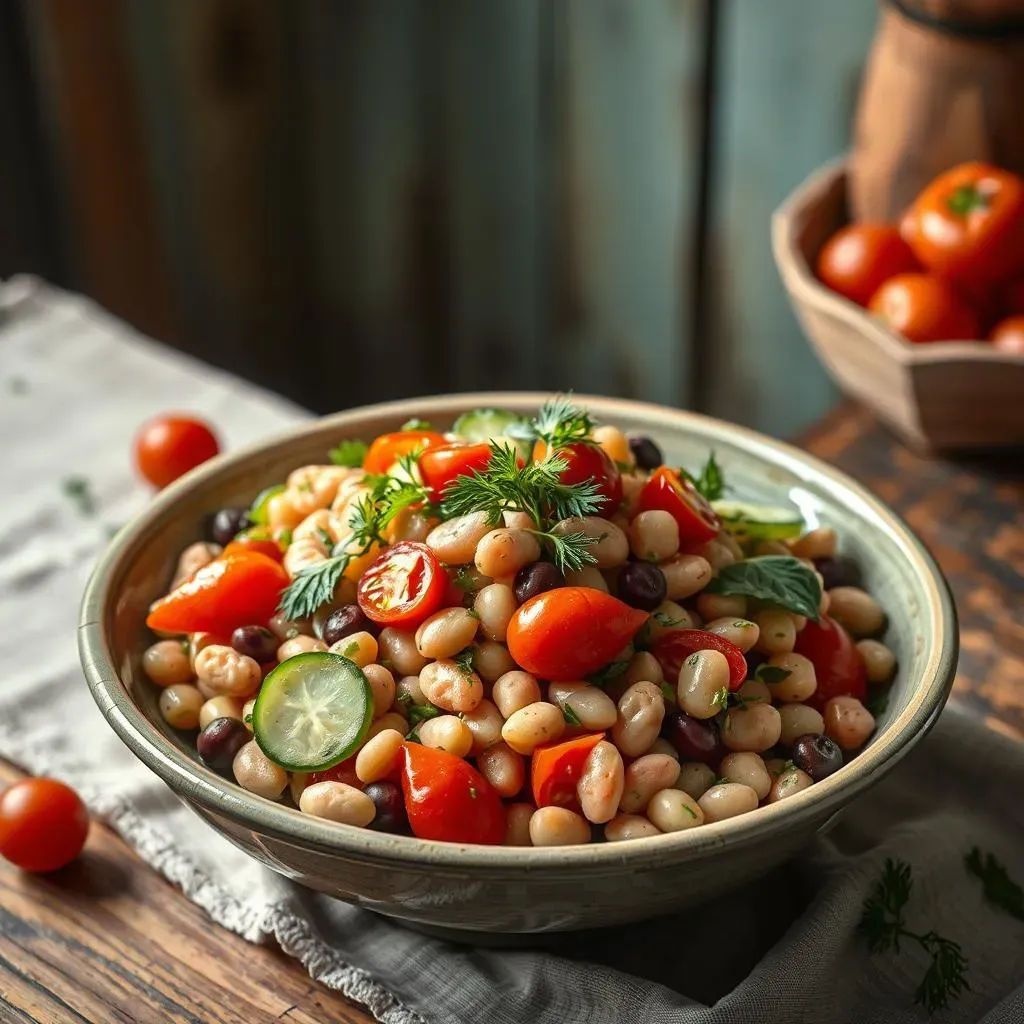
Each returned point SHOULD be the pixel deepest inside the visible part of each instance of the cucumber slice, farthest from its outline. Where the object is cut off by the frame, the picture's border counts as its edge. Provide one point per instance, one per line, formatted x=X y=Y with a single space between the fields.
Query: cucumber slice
x=312 y=712
x=496 y=425
x=759 y=522
x=258 y=512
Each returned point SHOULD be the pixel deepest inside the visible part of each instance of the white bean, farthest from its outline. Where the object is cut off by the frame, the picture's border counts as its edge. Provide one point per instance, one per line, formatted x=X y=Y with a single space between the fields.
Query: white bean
x=378 y=756
x=799 y=681
x=667 y=617
x=754 y=691
x=741 y=632
x=673 y=810
x=222 y=670
x=820 y=543
x=608 y=543
x=654 y=535
x=446 y=632
x=455 y=541
x=407 y=691
x=643 y=665
x=858 y=612
x=721 y=606
x=503 y=768
x=397 y=651
x=338 y=801
x=558 y=826
x=727 y=800
x=703 y=684
x=495 y=605
x=382 y=686
x=517 y=824
x=360 y=648
x=754 y=727
x=515 y=690
x=685 y=575
x=392 y=720
x=799 y=720
x=491 y=660
x=748 y=769
x=600 y=783
x=167 y=662
x=788 y=784
x=256 y=773
x=879 y=660
x=446 y=732
x=297 y=645
x=630 y=826
x=777 y=632
x=532 y=726
x=640 y=714
x=646 y=776
x=180 y=704
x=484 y=723
x=504 y=552
x=592 y=708
x=449 y=686
x=219 y=707
x=848 y=722
x=614 y=443
x=192 y=559
x=588 y=576
x=695 y=778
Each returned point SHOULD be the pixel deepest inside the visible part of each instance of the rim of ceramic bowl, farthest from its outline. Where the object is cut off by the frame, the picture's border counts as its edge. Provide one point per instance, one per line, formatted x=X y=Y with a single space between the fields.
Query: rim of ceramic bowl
x=197 y=783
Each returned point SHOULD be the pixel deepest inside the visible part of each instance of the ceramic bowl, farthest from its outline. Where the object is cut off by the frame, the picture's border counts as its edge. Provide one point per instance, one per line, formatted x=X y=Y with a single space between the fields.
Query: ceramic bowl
x=457 y=889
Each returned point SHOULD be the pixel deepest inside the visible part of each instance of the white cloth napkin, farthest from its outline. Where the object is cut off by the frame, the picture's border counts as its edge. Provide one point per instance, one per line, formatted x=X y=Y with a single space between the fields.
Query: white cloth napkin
x=75 y=384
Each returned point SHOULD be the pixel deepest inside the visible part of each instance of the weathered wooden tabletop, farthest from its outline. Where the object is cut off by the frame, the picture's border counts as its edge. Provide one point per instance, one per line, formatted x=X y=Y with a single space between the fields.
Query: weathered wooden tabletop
x=108 y=940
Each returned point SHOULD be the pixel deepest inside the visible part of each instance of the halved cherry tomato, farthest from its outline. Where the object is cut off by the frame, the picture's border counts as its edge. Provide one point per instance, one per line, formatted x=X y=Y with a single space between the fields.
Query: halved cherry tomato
x=923 y=308
x=251 y=541
x=672 y=649
x=1008 y=335
x=169 y=446
x=344 y=771
x=232 y=591
x=440 y=466
x=1011 y=297
x=588 y=463
x=672 y=493
x=556 y=768
x=446 y=798
x=403 y=586
x=859 y=258
x=386 y=449
x=570 y=632
x=969 y=223
x=43 y=824
x=838 y=665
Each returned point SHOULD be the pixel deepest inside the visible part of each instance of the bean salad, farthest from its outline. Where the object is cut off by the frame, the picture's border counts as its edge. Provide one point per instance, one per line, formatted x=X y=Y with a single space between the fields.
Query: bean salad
x=529 y=632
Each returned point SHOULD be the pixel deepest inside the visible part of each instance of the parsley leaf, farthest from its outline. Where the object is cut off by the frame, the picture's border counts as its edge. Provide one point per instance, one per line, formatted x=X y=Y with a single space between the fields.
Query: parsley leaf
x=771 y=675
x=421 y=712
x=609 y=673
x=780 y=579
x=570 y=716
x=999 y=888
x=78 y=490
x=464 y=659
x=721 y=698
x=350 y=453
x=665 y=620
x=416 y=424
x=710 y=483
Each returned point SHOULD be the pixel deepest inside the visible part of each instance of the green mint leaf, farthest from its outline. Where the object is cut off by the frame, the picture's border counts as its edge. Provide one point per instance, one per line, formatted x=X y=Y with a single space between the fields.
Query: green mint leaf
x=780 y=579
x=711 y=483
x=350 y=453
x=772 y=675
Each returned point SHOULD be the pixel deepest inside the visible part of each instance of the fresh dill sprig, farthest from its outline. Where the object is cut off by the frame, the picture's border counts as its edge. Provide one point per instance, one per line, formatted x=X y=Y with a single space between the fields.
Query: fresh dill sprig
x=569 y=551
x=560 y=422
x=882 y=926
x=998 y=887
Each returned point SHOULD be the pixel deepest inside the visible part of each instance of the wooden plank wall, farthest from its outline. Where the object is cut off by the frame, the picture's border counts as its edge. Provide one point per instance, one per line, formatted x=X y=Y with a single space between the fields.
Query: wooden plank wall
x=359 y=200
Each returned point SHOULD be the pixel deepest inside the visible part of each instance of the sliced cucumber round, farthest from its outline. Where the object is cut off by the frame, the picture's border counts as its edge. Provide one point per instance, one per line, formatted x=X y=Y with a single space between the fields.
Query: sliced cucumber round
x=759 y=522
x=312 y=712
x=484 y=424
x=258 y=512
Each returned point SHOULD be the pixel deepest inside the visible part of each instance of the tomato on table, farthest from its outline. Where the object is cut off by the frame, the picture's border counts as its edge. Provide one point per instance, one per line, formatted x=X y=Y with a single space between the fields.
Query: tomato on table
x=440 y=466
x=858 y=259
x=924 y=308
x=570 y=632
x=672 y=649
x=1008 y=335
x=169 y=446
x=402 y=586
x=446 y=798
x=556 y=768
x=969 y=223
x=838 y=665
x=43 y=824
x=388 y=448
x=668 y=491
x=586 y=462
x=232 y=591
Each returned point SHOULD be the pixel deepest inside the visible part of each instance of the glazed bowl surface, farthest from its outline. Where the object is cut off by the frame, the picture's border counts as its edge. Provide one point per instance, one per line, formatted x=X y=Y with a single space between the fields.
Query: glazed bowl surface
x=458 y=889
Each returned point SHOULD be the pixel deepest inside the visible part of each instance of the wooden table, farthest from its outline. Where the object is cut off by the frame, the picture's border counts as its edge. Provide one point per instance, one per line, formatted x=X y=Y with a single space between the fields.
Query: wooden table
x=107 y=939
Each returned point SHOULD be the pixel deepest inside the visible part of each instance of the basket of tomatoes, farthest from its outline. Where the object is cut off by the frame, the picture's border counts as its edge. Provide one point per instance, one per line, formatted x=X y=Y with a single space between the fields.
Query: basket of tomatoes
x=923 y=319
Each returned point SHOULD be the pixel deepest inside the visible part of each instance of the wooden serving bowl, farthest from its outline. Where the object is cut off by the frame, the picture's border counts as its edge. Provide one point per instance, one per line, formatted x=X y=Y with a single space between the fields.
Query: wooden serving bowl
x=939 y=396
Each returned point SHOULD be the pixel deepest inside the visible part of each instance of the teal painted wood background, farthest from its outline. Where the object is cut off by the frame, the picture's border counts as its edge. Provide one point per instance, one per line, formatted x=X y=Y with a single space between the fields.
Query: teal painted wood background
x=360 y=199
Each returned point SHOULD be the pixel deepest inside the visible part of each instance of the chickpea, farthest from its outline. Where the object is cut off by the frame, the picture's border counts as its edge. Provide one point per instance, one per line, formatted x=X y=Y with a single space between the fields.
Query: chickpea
x=219 y=707
x=695 y=778
x=484 y=723
x=298 y=645
x=529 y=727
x=741 y=632
x=397 y=651
x=703 y=684
x=180 y=704
x=192 y=559
x=879 y=660
x=641 y=711
x=654 y=535
x=632 y=485
x=448 y=733
x=685 y=575
x=447 y=632
x=727 y=800
x=247 y=709
x=407 y=691
x=608 y=543
x=167 y=662
x=718 y=555
x=515 y=690
x=558 y=826
x=789 y=783
x=588 y=576
x=286 y=629
x=491 y=660
x=495 y=605
x=848 y=722
x=753 y=691
x=673 y=810
x=748 y=769
x=594 y=709
x=198 y=642
x=799 y=720
x=338 y=801
x=392 y=720
x=856 y=610
x=755 y=727
x=630 y=826
x=517 y=824
x=447 y=685
x=820 y=543
x=644 y=777
x=378 y=757
x=360 y=648
x=223 y=671
x=777 y=632
x=504 y=552
x=614 y=443
x=600 y=783
x=503 y=768
x=256 y=773
x=800 y=680
x=382 y=686
x=642 y=666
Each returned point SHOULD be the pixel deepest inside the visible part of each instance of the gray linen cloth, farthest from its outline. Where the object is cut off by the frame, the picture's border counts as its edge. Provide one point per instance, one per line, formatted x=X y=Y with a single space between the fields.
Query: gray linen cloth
x=76 y=384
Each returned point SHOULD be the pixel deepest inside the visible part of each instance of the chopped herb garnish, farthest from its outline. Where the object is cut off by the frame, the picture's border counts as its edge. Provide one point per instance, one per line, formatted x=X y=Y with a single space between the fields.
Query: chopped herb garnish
x=421 y=712
x=79 y=491
x=325 y=538
x=878 y=705
x=413 y=736
x=560 y=422
x=665 y=620
x=350 y=649
x=464 y=578
x=668 y=693
x=710 y=481
x=464 y=659
x=350 y=453
x=693 y=660
x=771 y=675
x=415 y=424
x=787 y=766
x=998 y=887
x=306 y=487
x=780 y=579
x=609 y=673
x=570 y=716
x=689 y=810
x=721 y=698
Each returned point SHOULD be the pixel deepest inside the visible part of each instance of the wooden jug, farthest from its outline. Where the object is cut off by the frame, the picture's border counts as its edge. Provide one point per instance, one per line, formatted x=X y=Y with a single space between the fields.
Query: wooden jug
x=944 y=84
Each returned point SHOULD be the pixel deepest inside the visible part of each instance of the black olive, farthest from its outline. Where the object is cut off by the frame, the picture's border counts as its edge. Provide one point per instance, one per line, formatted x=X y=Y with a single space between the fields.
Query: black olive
x=534 y=579
x=345 y=621
x=256 y=642
x=646 y=452
x=838 y=571
x=220 y=741
x=390 y=816
x=819 y=756
x=642 y=585
x=696 y=739
x=228 y=523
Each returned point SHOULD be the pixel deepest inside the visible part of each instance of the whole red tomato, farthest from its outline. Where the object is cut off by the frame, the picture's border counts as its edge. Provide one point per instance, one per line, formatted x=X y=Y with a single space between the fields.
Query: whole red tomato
x=1008 y=335
x=969 y=223
x=587 y=463
x=673 y=648
x=388 y=448
x=570 y=632
x=858 y=259
x=43 y=824
x=923 y=307
x=838 y=665
x=670 y=492
x=402 y=586
x=441 y=465
x=169 y=446
x=1011 y=297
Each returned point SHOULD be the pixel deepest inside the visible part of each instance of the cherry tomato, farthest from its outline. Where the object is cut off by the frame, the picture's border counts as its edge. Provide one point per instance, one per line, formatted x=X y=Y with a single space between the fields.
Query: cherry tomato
x=668 y=491
x=570 y=632
x=556 y=768
x=169 y=446
x=344 y=771
x=1008 y=335
x=925 y=308
x=672 y=649
x=1011 y=297
x=386 y=449
x=586 y=463
x=254 y=540
x=446 y=798
x=838 y=665
x=43 y=824
x=440 y=466
x=402 y=586
x=858 y=259
x=232 y=591
x=969 y=223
